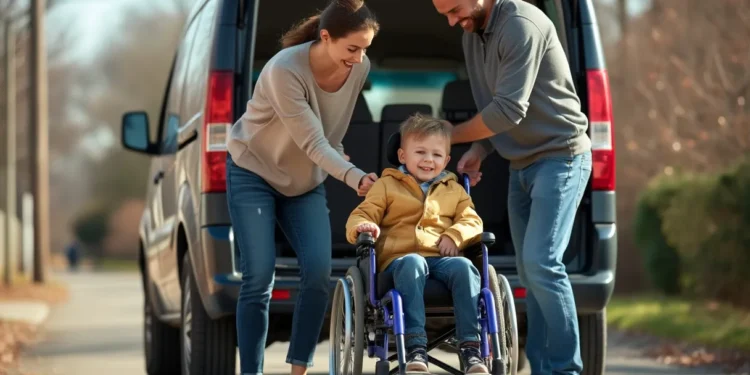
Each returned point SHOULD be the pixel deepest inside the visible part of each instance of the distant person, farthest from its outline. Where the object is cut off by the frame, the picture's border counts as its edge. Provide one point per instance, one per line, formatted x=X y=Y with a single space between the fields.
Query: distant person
x=73 y=253
x=280 y=152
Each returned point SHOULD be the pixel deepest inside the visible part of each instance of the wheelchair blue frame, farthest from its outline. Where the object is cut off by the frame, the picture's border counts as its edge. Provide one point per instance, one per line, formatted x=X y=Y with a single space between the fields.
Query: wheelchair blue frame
x=392 y=301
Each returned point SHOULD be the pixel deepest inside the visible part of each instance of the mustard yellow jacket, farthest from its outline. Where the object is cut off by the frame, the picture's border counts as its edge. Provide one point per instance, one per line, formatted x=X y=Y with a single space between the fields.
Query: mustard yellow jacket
x=412 y=223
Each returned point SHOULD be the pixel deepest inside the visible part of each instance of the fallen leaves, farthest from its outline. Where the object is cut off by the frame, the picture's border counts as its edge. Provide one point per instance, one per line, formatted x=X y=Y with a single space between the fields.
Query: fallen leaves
x=732 y=361
x=14 y=336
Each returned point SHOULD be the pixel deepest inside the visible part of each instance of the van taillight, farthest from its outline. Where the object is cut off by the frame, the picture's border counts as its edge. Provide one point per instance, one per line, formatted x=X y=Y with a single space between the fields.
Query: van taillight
x=217 y=122
x=602 y=132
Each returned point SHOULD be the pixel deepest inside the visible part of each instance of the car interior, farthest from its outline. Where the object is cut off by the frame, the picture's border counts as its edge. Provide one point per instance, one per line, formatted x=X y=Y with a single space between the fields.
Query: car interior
x=416 y=66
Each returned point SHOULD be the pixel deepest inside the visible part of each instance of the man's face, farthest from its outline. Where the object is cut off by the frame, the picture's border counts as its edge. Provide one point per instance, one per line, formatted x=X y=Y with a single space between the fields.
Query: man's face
x=470 y=14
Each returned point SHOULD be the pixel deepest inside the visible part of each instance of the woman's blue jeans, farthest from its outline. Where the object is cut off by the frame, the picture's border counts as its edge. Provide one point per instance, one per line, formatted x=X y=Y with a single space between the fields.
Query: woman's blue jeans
x=255 y=208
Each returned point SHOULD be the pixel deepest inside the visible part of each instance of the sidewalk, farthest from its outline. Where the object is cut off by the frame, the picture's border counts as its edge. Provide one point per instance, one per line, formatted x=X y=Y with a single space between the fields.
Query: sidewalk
x=30 y=312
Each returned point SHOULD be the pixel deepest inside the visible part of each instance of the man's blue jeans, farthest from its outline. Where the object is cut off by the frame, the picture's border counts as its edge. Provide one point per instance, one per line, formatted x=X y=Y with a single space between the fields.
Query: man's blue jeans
x=542 y=202
x=255 y=208
x=410 y=273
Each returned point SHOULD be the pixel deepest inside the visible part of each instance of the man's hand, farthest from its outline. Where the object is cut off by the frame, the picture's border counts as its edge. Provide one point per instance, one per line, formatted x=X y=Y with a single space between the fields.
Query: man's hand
x=346 y=157
x=366 y=183
x=447 y=247
x=369 y=228
x=469 y=164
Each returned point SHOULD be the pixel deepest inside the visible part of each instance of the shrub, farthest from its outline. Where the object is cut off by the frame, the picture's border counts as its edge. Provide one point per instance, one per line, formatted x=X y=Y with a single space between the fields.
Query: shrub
x=661 y=260
x=692 y=231
x=91 y=226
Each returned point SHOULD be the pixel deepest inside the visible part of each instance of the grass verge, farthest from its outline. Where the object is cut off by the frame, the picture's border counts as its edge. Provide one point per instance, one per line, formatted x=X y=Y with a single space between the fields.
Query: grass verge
x=703 y=323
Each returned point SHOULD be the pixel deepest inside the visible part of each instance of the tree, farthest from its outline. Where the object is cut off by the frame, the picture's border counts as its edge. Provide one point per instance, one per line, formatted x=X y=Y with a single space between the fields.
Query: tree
x=680 y=98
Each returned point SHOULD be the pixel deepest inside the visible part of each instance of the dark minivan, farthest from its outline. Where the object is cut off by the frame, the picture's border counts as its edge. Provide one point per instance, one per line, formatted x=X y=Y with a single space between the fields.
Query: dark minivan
x=187 y=258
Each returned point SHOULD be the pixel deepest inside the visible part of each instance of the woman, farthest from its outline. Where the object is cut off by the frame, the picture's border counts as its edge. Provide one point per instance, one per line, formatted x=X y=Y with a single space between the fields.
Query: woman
x=281 y=151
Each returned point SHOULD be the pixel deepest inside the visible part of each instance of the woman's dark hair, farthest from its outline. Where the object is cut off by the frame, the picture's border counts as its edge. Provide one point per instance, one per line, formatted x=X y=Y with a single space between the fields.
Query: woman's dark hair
x=340 y=18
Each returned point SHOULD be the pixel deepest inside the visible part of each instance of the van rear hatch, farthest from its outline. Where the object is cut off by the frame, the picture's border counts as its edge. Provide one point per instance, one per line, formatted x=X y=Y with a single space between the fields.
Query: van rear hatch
x=422 y=46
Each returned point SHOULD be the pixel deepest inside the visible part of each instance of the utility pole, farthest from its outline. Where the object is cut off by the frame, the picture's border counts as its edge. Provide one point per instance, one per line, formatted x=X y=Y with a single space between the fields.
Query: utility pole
x=11 y=250
x=39 y=142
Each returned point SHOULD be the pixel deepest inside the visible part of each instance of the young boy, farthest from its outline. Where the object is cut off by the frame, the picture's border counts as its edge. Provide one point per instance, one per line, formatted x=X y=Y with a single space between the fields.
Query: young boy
x=423 y=218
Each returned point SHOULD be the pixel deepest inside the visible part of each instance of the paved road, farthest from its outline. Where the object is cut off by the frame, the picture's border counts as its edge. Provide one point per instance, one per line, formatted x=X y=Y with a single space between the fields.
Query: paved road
x=99 y=332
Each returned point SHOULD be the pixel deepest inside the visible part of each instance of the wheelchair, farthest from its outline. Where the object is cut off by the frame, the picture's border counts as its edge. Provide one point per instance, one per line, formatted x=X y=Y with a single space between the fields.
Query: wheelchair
x=367 y=313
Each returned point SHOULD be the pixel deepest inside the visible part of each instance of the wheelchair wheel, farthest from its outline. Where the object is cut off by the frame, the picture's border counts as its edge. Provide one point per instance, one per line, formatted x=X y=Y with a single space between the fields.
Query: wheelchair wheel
x=507 y=325
x=347 y=335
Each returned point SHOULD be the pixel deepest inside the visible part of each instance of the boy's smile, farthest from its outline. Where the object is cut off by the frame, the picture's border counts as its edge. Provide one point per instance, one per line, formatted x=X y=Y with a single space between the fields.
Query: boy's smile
x=424 y=157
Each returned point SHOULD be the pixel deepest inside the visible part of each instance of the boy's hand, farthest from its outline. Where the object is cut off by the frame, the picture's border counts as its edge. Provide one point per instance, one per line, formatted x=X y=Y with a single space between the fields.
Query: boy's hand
x=447 y=247
x=370 y=228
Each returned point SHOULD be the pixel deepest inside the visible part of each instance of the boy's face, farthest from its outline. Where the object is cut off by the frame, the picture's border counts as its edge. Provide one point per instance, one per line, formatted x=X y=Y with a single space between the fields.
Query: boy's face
x=425 y=157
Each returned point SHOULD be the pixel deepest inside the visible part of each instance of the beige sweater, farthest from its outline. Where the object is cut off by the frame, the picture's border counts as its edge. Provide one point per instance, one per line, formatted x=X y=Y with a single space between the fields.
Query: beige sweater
x=291 y=133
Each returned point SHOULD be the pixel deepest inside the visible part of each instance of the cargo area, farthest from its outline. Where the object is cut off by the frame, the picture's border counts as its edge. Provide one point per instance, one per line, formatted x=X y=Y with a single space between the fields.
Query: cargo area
x=417 y=66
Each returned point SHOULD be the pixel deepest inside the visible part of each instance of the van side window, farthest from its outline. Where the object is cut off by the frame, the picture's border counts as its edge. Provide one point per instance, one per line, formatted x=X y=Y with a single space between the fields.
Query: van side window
x=169 y=140
x=172 y=115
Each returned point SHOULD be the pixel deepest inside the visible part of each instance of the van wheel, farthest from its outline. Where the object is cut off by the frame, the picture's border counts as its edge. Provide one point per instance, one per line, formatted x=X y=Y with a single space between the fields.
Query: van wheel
x=208 y=346
x=593 y=329
x=161 y=342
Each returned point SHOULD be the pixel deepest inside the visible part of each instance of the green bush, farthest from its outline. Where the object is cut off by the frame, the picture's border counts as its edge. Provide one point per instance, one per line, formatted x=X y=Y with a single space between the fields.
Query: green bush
x=91 y=226
x=693 y=232
x=661 y=260
x=719 y=253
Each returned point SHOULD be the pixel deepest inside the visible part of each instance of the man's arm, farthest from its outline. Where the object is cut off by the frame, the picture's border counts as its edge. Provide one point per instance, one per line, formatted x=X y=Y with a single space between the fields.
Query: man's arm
x=521 y=51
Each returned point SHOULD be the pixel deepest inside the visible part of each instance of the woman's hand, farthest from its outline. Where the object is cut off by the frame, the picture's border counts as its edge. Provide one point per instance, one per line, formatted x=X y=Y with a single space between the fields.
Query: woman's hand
x=366 y=183
x=369 y=228
x=447 y=247
x=346 y=157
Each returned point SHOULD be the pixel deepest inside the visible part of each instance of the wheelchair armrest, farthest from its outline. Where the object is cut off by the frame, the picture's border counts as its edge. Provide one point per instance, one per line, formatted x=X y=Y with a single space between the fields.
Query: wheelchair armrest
x=475 y=251
x=365 y=241
x=488 y=238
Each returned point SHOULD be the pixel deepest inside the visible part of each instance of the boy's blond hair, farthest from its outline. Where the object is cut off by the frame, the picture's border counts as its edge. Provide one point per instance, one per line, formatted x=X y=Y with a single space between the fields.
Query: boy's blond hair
x=420 y=126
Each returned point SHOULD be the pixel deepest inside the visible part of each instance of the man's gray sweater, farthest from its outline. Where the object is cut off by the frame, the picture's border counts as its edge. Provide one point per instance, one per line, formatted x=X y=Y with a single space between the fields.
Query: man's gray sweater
x=522 y=85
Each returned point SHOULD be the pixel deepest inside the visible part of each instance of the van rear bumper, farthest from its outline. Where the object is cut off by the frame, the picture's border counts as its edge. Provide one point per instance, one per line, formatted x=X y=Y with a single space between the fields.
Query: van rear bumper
x=592 y=289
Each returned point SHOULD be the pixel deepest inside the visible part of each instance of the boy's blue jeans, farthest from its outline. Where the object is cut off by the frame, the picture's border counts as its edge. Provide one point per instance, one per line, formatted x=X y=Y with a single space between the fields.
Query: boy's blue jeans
x=542 y=202
x=410 y=273
x=255 y=208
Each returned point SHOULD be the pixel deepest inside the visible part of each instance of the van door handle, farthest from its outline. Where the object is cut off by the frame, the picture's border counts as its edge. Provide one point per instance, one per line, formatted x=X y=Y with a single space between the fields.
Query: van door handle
x=158 y=176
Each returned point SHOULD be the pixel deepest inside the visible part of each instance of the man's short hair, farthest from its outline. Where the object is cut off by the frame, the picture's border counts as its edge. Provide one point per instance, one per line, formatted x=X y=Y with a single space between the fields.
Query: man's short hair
x=420 y=125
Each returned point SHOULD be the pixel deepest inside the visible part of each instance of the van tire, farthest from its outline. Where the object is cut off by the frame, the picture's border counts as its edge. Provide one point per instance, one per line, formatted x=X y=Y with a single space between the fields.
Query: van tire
x=208 y=346
x=593 y=332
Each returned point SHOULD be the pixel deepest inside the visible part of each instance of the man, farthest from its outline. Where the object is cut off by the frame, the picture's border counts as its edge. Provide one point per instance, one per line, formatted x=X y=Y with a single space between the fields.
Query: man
x=530 y=114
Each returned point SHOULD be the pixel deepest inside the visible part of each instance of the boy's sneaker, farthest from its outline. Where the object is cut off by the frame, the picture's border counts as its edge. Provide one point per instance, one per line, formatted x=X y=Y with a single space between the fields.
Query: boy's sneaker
x=472 y=358
x=416 y=360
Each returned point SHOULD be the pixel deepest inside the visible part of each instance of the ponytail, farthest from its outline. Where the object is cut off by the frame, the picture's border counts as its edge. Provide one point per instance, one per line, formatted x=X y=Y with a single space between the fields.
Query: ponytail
x=339 y=18
x=305 y=31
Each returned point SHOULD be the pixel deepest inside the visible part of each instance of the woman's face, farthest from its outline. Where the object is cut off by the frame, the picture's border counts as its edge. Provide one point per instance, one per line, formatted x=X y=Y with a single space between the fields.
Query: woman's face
x=350 y=49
